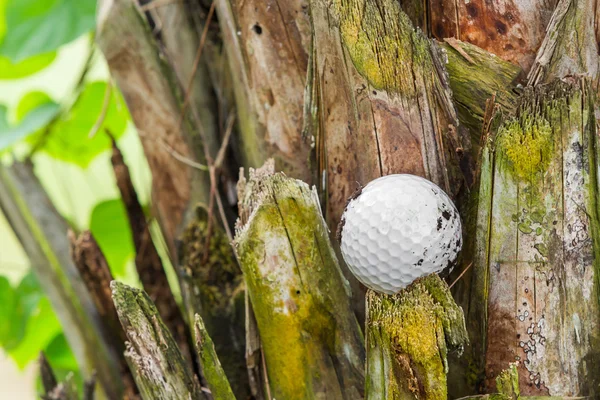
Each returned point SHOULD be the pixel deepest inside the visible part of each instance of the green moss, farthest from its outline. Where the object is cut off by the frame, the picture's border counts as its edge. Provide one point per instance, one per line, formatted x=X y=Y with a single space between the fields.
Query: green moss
x=507 y=382
x=297 y=293
x=528 y=144
x=383 y=45
x=414 y=329
x=476 y=79
x=209 y=268
x=211 y=367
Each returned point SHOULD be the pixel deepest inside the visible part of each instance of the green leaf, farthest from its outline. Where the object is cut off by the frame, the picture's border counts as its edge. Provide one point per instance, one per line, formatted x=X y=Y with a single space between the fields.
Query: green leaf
x=59 y=354
x=35 y=119
x=41 y=329
x=22 y=69
x=40 y=26
x=10 y=330
x=16 y=306
x=69 y=138
x=110 y=226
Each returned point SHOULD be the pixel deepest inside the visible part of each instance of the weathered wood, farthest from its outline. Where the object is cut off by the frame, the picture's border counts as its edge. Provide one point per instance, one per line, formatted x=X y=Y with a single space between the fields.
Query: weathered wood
x=408 y=336
x=43 y=235
x=511 y=29
x=311 y=341
x=267 y=43
x=476 y=75
x=212 y=286
x=571 y=46
x=152 y=93
x=538 y=232
x=173 y=141
x=381 y=100
x=159 y=368
x=96 y=276
x=210 y=364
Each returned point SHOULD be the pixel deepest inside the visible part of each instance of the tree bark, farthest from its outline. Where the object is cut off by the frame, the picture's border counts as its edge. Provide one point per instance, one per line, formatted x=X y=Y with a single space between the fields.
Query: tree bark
x=213 y=372
x=159 y=369
x=173 y=149
x=95 y=274
x=312 y=343
x=538 y=243
x=178 y=136
x=267 y=44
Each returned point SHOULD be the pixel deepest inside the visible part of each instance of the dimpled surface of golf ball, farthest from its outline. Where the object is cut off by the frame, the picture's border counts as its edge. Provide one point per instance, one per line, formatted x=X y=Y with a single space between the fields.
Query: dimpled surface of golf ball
x=399 y=228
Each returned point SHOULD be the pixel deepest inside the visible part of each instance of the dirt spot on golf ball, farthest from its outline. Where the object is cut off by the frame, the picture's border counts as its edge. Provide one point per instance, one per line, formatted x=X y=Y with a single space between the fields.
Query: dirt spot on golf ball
x=398 y=229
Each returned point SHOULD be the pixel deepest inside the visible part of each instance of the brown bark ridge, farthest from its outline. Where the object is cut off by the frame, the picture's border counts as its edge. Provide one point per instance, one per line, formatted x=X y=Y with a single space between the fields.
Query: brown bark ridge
x=267 y=43
x=42 y=233
x=310 y=338
x=147 y=260
x=382 y=103
x=538 y=236
x=153 y=96
x=159 y=368
x=511 y=29
x=96 y=276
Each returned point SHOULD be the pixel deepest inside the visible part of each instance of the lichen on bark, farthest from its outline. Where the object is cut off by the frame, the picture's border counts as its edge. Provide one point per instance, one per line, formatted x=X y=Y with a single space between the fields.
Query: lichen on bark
x=539 y=226
x=312 y=343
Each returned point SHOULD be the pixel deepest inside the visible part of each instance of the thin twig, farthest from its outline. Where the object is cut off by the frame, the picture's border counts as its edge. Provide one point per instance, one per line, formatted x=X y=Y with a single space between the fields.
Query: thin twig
x=180 y=157
x=188 y=90
x=229 y=129
x=157 y=3
x=460 y=276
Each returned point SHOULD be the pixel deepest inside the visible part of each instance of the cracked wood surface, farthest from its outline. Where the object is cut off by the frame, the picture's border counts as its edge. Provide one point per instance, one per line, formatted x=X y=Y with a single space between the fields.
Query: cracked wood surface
x=311 y=340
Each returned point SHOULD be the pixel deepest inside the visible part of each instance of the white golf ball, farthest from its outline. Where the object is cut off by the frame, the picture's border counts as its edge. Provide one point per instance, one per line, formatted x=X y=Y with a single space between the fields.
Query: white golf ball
x=399 y=228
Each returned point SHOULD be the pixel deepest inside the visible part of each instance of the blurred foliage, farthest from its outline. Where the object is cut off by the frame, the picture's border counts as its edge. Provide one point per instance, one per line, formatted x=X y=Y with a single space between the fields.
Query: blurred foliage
x=33 y=27
x=110 y=227
x=31 y=34
x=16 y=70
x=67 y=138
x=28 y=325
x=31 y=118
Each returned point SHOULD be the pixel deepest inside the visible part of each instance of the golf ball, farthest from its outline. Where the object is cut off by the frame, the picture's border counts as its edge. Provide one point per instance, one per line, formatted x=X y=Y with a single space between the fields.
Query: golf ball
x=399 y=228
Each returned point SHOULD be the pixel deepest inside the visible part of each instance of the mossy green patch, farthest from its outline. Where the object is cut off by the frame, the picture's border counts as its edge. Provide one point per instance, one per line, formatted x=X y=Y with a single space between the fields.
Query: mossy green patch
x=528 y=144
x=297 y=292
x=507 y=383
x=415 y=328
x=209 y=265
x=383 y=45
